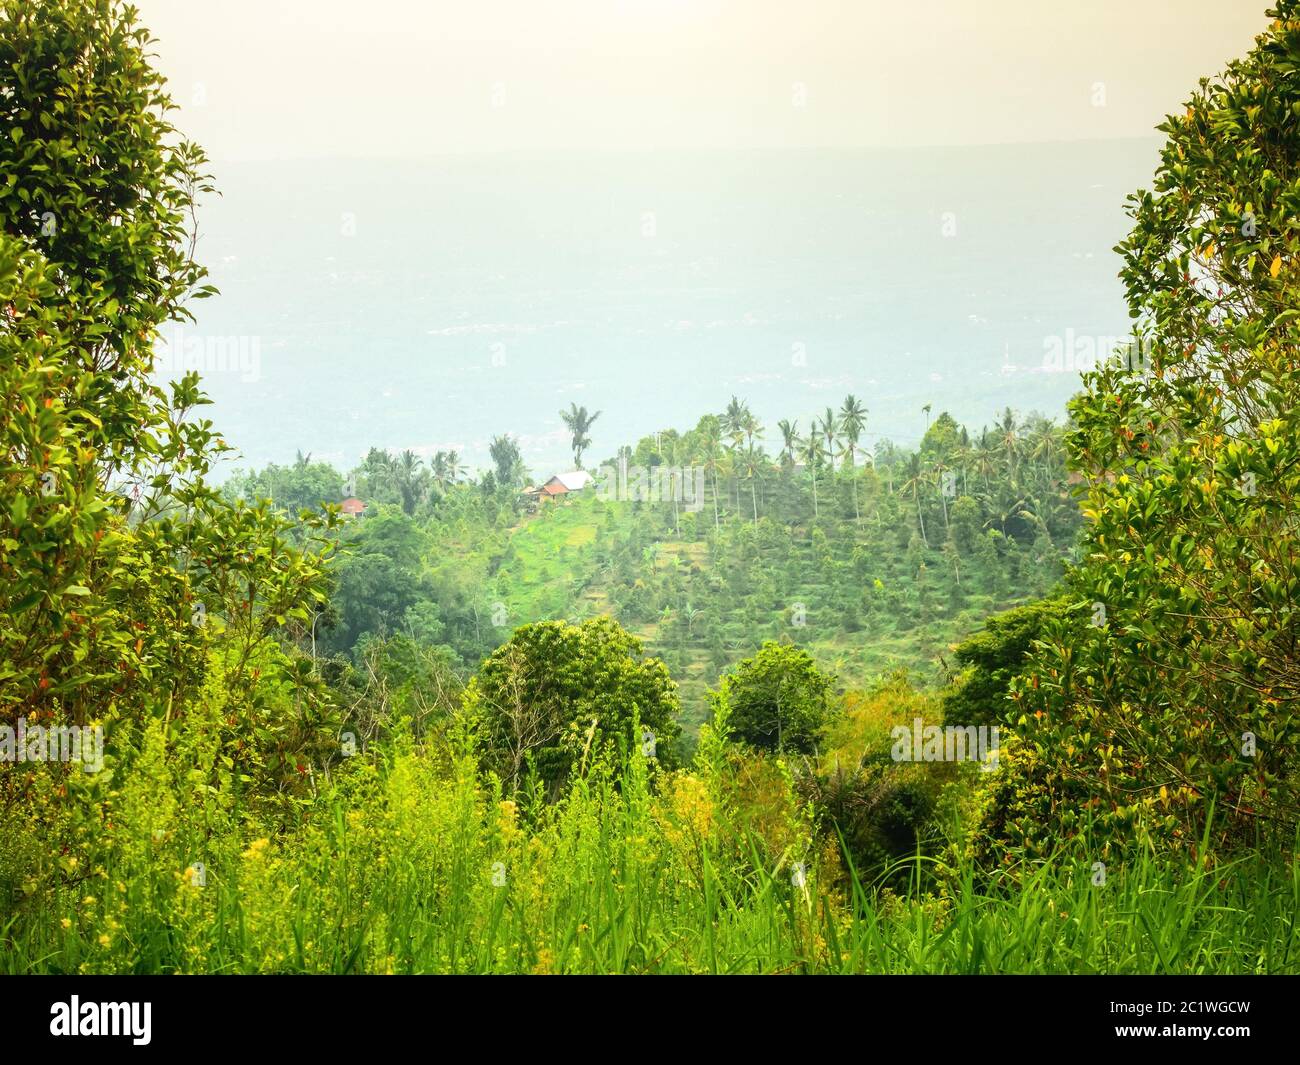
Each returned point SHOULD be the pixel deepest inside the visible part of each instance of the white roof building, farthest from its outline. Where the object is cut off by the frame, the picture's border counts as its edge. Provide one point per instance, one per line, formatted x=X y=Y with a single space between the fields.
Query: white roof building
x=575 y=481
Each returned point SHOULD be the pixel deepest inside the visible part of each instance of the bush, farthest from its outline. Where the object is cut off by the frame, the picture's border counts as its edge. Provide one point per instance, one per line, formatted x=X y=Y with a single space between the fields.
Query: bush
x=557 y=697
x=779 y=700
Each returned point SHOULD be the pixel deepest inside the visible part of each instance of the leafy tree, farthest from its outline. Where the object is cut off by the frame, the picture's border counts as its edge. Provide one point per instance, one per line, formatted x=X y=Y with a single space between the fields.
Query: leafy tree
x=965 y=524
x=394 y=685
x=305 y=485
x=379 y=578
x=1188 y=444
x=992 y=658
x=942 y=439
x=508 y=462
x=561 y=695
x=128 y=586
x=778 y=700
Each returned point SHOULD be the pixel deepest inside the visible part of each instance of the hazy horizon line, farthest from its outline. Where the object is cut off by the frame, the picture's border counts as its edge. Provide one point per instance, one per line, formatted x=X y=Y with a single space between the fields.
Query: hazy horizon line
x=493 y=153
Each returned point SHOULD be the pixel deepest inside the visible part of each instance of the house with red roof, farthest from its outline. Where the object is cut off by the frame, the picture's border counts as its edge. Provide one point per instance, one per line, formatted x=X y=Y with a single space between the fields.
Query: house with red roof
x=564 y=484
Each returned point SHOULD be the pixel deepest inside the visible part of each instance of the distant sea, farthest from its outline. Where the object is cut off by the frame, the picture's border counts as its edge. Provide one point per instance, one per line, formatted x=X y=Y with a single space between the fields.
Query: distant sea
x=432 y=304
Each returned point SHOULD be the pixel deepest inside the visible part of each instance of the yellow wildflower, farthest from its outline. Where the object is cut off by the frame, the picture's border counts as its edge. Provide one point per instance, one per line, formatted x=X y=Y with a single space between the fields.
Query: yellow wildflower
x=256 y=849
x=509 y=820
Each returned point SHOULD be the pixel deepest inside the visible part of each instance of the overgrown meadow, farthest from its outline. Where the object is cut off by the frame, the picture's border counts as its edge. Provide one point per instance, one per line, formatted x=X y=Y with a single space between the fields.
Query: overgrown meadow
x=421 y=867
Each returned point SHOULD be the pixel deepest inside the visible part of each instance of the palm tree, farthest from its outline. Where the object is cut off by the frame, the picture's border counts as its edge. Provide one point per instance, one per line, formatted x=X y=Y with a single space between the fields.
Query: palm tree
x=962 y=456
x=753 y=430
x=674 y=449
x=1009 y=441
x=830 y=427
x=455 y=467
x=812 y=452
x=579 y=421
x=940 y=468
x=447 y=469
x=1043 y=450
x=442 y=475
x=789 y=438
x=915 y=481
x=733 y=419
x=411 y=480
x=753 y=464
x=691 y=615
x=985 y=456
x=1006 y=507
x=853 y=417
x=730 y=465
x=711 y=456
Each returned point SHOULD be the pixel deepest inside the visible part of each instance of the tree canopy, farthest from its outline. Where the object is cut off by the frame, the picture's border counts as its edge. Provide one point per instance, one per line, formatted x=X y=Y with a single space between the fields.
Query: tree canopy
x=560 y=695
x=1181 y=688
x=777 y=700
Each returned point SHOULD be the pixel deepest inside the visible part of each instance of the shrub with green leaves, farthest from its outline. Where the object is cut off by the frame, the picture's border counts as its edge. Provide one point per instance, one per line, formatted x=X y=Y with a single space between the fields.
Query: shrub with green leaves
x=1180 y=686
x=128 y=587
x=991 y=658
x=556 y=696
x=779 y=699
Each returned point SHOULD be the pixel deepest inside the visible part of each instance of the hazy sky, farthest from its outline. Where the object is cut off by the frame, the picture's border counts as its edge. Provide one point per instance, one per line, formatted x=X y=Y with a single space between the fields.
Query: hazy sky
x=385 y=78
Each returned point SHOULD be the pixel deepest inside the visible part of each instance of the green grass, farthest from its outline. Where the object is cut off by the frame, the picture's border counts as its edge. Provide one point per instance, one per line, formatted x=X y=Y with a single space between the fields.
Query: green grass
x=613 y=879
x=551 y=557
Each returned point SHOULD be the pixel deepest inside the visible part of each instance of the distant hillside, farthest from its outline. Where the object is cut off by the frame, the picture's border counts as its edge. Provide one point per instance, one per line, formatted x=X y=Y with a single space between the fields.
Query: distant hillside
x=874 y=561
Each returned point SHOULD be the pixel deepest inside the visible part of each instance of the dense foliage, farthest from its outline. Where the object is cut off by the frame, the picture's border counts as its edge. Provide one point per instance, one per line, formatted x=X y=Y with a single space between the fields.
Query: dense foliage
x=457 y=561
x=1171 y=699
x=555 y=697
x=779 y=700
x=449 y=733
x=132 y=596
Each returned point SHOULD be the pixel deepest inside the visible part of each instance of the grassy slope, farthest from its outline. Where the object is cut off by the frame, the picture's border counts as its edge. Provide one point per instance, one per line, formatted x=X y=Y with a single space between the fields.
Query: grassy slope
x=552 y=559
